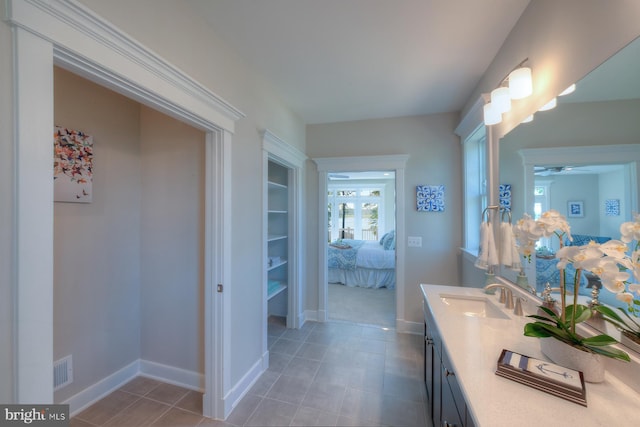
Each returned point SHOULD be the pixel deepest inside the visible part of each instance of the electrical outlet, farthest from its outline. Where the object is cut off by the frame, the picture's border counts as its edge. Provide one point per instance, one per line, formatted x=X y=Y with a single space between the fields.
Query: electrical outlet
x=414 y=241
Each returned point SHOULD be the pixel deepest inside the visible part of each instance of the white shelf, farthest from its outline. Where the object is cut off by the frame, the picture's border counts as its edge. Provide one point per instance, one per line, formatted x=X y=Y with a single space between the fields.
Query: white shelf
x=276 y=290
x=274 y=266
x=276 y=185
x=274 y=237
x=273 y=211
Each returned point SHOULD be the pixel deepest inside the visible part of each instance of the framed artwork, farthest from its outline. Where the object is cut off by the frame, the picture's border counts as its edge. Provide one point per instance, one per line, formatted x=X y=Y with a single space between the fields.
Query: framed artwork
x=575 y=208
x=612 y=207
x=505 y=197
x=72 y=166
x=430 y=198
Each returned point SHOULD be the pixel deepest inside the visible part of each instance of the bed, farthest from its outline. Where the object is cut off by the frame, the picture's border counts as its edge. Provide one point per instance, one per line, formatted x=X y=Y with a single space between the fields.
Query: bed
x=363 y=263
x=547 y=266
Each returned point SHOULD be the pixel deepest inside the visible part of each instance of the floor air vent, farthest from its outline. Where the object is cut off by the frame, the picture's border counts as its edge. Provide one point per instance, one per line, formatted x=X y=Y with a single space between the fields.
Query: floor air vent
x=62 y=372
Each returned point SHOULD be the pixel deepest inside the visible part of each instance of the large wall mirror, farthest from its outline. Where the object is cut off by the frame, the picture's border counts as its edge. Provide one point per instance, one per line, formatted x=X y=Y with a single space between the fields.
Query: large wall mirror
x=581 y=158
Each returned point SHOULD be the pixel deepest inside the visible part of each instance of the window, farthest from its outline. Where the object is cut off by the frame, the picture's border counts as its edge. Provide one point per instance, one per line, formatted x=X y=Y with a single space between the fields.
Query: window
x=355 y=211
x=541 y=203
x=475 y=187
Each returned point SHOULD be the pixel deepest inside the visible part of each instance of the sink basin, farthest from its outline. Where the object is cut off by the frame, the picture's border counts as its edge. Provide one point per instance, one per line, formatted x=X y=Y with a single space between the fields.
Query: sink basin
x=472 y=306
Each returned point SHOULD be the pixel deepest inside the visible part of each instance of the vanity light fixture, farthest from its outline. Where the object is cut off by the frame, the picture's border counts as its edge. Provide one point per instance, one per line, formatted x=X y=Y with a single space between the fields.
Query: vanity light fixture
x=520 y=83
x=492 y=116
x=501 y=99
x=549 y=105
x=568 y=90
x=516 y=85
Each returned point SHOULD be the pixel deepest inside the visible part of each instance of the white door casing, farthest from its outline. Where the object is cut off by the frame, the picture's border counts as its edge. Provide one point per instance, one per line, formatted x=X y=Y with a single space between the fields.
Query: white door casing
x=67 y=34
x=395 y=163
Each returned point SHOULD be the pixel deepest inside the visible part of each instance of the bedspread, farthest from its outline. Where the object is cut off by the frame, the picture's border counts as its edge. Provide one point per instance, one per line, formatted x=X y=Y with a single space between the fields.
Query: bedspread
x=343 y=255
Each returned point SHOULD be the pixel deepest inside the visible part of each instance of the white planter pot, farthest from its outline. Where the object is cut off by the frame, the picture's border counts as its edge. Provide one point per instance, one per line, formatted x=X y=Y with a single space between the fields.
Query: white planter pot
x=590 y=364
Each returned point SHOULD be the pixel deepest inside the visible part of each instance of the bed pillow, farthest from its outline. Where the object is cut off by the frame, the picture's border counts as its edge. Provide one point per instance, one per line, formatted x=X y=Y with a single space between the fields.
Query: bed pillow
x=388 y=241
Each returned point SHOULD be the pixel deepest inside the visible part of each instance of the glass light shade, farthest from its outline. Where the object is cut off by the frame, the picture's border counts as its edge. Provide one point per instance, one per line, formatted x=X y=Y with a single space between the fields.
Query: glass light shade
x=568 y=90
x=501 y=99
x=527 y=119
x=520 y=84
x=491 y=115
x=549 y=105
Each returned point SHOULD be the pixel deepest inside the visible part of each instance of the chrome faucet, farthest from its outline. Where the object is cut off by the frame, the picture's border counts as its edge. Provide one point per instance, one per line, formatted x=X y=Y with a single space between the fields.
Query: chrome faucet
x=506 y=296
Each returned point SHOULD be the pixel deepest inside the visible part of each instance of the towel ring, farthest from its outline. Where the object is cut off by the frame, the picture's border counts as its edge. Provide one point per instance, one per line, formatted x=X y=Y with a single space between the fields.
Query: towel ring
x=485 y=212
x=508 y=212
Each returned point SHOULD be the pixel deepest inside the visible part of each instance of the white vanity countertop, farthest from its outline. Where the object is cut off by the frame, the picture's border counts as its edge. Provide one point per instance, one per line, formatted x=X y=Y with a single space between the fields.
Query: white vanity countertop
x=474 y=345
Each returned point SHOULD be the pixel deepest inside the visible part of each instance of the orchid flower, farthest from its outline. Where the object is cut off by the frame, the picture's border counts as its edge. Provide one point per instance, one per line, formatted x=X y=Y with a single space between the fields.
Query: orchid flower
x=630 y=231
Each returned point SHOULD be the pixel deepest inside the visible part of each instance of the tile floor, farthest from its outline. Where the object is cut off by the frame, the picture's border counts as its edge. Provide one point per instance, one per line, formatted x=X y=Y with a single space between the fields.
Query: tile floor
x=325 y=374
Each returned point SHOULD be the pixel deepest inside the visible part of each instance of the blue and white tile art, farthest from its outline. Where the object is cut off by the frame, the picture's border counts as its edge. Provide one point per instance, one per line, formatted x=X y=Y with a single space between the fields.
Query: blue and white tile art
x=612 y=207
x=430 y=198
x=505 y=197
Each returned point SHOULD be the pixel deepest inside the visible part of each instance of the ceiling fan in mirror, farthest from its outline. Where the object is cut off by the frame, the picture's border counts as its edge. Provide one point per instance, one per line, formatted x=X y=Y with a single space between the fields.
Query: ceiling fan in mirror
x=558 y=170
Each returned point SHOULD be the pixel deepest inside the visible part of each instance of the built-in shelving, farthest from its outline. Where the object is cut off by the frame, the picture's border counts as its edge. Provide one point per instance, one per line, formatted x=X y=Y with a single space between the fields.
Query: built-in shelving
x=277 y=238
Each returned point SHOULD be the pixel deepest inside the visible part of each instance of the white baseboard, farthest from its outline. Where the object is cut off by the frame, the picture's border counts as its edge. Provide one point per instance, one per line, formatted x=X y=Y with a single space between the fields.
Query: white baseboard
x=168 y=374
x=172 y=375
x=87 y=397
x=311 y=315
x=405 y=327
x=242 y=387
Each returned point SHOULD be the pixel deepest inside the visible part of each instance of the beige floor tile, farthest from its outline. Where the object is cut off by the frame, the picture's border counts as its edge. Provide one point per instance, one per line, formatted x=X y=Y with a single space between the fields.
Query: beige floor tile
x=208 y=422
x=314 y=417
x=192 y=402
x=328 y=374
x=106 y=408
x=143 y=412
x=244 y=410
x=167 y=393
x=178 y=418
x=272 y=413
x=325 y=397
x=289 y=389
x=75 y=422
x=140 y=385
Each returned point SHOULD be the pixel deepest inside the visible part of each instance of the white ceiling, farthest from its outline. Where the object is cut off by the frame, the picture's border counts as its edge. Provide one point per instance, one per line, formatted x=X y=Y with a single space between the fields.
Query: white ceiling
x=343 y=60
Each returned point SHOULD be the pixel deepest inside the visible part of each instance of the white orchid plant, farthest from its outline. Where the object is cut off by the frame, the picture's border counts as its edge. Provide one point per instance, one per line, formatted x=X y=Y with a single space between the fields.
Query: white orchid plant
x=563 y=326
x=617 y=264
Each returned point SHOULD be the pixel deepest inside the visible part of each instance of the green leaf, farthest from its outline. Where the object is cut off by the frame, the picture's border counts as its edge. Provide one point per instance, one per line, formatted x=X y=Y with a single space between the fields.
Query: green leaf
x=542 y=318
x=550 y=312
x=532 y=330
x=582 y=313
x=543 y=330
x=611 y=352
x=599 y=340
x=608 y=312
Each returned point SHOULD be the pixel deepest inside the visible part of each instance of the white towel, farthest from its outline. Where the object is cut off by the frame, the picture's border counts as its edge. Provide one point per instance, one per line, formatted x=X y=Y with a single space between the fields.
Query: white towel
x=488 y=255
x=509 y=256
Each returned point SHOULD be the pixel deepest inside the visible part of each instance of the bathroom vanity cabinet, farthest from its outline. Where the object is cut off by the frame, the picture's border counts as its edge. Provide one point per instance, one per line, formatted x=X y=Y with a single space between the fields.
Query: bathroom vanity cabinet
x=461 y=354
x=445 y=401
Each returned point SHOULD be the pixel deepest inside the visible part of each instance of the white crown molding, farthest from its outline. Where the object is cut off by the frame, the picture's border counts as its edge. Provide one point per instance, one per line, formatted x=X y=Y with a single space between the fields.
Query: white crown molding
x=471 y=121
x=80 y=36
x=277 y=147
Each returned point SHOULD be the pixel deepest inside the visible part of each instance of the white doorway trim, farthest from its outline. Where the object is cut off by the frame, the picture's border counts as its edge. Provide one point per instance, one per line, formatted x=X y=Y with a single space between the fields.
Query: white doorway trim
x=395 y=163
x=67 y=34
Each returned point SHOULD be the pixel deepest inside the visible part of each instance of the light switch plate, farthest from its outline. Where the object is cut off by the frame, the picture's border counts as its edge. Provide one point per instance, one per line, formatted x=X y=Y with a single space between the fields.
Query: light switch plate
x=414 y=241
